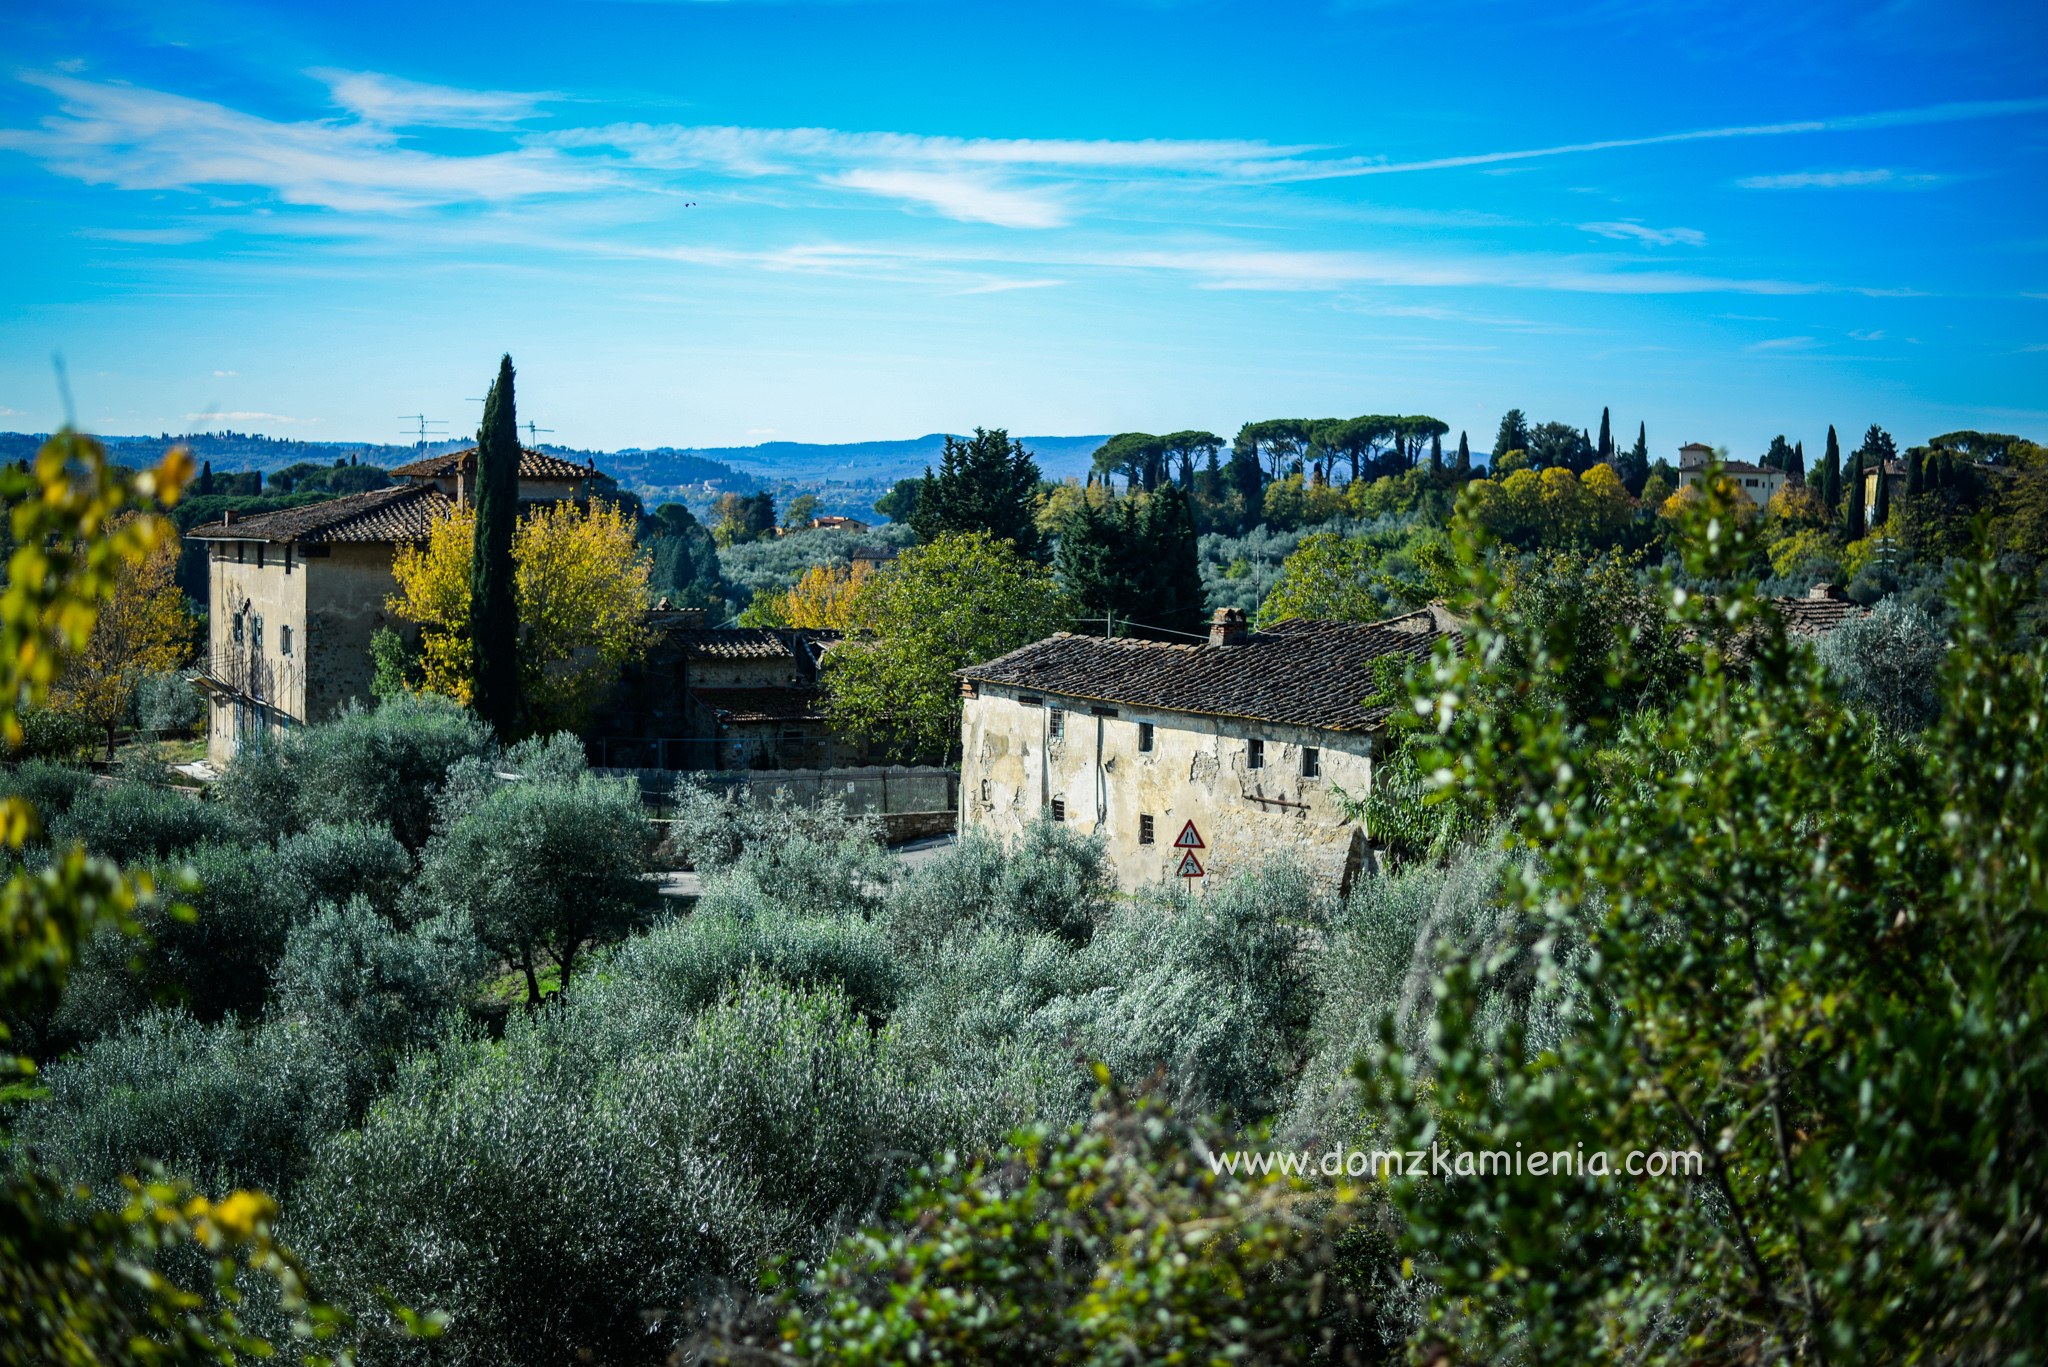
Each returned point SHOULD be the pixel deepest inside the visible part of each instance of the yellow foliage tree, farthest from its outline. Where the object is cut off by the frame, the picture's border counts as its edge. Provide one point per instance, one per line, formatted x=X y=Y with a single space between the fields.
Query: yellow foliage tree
x=142 y=629
x=581 y=586
x=824 y=598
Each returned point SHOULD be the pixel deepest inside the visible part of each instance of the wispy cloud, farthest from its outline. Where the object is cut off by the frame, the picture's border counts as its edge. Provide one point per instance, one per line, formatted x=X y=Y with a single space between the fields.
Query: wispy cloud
x=1656 y=237
x=140 y=139
x=213 y=419
x=969 y=197
x=1867 y=334
x=1783 y=344
x=1836 y=180
x=393 y=102
x=226 y=374
x=152 y=237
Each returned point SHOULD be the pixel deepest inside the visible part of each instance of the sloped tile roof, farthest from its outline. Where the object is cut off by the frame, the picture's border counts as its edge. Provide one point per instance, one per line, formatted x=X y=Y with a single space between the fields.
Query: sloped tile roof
x=532 y=465
x=762 y=704
x=1297 y=673
x=732 y=643
x=401 y=513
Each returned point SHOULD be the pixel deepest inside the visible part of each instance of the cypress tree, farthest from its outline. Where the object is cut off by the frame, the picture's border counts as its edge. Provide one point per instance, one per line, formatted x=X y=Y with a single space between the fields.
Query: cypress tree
x=1831 y=473
x=1852 y=515
x=1881 y=508
x=205 y=478
x=493 y=613
x=1913 y=484
x=1799 y=462
x=1464 y=458
x=1436 y=457
x=1606 y=440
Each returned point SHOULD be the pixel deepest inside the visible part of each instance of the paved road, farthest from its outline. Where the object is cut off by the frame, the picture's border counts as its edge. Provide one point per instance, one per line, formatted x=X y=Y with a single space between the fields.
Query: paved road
x=685 y=886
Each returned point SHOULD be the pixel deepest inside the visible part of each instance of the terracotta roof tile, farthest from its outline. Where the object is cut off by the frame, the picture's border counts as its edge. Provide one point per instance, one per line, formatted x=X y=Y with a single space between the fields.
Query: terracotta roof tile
x=401 y=513
x=732 y=643
x=1298 y=673
x=532 y=465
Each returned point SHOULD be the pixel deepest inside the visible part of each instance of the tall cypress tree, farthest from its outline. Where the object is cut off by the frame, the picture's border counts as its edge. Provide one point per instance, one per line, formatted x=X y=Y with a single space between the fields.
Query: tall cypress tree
x=493 y=612
x=205 y=478
x=1436 y=457
x=1606 y=440
x=1798 y=471
x=1464 y=466
x=1881 y=508
x=1852 y=515
x=1913 y=484
x=1831 y=473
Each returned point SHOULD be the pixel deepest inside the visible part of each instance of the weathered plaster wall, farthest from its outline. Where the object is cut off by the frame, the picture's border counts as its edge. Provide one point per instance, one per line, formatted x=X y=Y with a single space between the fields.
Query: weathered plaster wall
x=1012 y=769
x=346 y=594
x=275 y=591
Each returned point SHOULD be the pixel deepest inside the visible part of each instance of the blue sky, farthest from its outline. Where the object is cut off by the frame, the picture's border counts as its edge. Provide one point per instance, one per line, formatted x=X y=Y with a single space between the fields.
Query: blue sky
x=721 y=223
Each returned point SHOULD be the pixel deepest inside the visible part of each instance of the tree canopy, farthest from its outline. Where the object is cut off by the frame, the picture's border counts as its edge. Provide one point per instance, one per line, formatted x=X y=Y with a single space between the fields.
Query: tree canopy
x=986 y=483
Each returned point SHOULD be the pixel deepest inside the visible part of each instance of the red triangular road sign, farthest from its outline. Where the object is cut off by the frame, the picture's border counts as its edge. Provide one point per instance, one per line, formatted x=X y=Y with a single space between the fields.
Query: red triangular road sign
x=1190 y=838
x=1190 y=867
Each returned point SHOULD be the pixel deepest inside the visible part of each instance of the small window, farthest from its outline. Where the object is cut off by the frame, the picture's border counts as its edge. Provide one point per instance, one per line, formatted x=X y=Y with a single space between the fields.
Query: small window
x=240 y=550
x=238 y=628
x=1056 y=722
x=1145 y=740
x=985 y=791
x=1311 y=761
x=284 y=640
x=1030 y=700
x=1102 y=711
x=259 y=555
x=1059 y=809
x=1144 y=830
x=256 y=633
x=1255 y=754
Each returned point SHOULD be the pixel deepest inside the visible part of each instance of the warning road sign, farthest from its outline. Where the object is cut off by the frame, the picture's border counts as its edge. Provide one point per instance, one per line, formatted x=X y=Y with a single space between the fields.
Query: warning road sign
x=1190 y=867
x=1190 y=838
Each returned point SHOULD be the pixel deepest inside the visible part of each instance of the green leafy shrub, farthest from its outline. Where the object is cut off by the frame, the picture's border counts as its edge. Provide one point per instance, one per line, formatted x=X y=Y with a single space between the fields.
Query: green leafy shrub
x=1054 y=881
x=224 y=1105
x=1117 y=1241
x=328 y=865
x=1889 y=661
x=381 y=766
x=49 y=787
x=544 y=868
x=138 y=822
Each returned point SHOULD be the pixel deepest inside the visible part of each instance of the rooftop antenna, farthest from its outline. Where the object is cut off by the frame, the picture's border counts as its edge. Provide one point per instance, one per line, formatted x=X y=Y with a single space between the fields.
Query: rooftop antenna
x=423 y=426
x=531 y=430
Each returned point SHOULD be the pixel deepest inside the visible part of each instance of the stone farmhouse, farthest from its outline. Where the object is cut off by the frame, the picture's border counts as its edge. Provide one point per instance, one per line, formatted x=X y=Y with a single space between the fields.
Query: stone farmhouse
x=1757 y=482
x=719 y=698
x=1189 y=759
x=294 y=596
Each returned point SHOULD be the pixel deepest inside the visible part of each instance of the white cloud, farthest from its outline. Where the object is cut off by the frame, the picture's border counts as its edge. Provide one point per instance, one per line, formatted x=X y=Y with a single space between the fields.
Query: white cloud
x=1004 y=286
x=393 y=102
x=1867 y=334
x=1833 y=180
x=1783 y=344
x=966 y=196
x=139 y=139
x=1656 y=237
x=154 y=237
x=226 y=374
x=6 y=412
x=212 y=419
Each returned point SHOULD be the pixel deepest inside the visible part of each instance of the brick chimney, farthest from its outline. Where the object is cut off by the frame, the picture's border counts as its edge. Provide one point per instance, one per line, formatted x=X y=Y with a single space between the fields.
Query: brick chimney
x=1227 y=628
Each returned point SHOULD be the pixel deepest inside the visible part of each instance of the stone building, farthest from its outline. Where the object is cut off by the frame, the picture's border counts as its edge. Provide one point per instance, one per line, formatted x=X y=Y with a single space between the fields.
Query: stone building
x=723 y=698
x=1187 y=757
x=294 y=596
x=1757 y=482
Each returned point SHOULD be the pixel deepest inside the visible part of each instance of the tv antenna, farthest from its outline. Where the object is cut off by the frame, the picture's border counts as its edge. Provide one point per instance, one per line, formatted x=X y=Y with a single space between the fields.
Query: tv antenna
x=424 y=425
x=531 y=440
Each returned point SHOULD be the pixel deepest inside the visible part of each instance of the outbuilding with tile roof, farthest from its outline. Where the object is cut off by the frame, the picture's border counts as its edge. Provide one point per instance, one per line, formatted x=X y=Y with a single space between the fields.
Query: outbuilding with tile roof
x=1237 y=749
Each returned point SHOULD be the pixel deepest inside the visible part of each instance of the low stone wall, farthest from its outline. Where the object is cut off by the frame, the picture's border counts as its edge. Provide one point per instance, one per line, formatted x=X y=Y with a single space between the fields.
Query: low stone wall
x=900 y=828
x=882 y=789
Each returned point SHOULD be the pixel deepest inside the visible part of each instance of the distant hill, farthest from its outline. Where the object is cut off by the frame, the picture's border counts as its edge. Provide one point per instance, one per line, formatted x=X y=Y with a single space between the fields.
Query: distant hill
x=853 y=461
x=863 y=463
